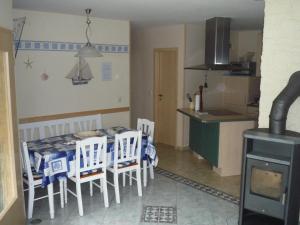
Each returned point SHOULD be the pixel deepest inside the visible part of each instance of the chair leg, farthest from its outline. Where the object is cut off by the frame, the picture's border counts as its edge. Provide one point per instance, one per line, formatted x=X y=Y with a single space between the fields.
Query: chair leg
x=51 y=199
x=79 y=198
x=61 y=192
x=30 y=200
x=66 y=190
x=104 y=188
x=91 y=188
x=101 y=187
x=130 y=177
x=139 y=181
x=124 y=179
x=151 y=171
x=116 y=184
x=145 y=172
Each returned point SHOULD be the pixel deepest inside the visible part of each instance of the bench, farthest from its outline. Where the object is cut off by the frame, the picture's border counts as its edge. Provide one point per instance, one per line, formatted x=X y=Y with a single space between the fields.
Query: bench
x=50 y=128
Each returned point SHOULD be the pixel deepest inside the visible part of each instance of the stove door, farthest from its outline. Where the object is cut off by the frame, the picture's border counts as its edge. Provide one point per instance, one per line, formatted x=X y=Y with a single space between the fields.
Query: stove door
x=265 y=188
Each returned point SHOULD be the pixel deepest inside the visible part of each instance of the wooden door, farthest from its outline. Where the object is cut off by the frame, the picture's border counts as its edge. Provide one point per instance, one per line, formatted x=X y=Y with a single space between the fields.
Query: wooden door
x=165 y=95
x=11 y=194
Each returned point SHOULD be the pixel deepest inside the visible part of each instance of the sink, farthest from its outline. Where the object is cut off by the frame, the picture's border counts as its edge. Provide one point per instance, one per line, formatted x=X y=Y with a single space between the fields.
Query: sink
x=222 y=112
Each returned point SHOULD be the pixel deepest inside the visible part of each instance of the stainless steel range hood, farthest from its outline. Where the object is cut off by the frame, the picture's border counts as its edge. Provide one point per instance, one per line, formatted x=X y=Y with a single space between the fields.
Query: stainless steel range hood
x=216 y=45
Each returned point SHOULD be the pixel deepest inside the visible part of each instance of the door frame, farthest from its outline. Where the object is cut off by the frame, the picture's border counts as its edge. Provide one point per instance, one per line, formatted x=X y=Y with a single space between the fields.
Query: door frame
x=14 y=213
x=156 y=84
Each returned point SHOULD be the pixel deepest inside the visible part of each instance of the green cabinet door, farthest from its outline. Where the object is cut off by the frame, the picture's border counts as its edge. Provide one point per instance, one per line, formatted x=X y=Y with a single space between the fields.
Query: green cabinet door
x=195 y=136
x=204 y=140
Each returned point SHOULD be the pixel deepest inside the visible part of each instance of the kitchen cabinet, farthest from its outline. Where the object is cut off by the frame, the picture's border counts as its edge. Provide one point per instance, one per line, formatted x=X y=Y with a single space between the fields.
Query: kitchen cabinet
x=219 y=138
x=204 y=140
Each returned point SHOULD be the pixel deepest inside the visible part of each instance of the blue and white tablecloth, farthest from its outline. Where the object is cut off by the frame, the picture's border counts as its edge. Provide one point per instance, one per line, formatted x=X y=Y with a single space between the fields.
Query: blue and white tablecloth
x=54 y=157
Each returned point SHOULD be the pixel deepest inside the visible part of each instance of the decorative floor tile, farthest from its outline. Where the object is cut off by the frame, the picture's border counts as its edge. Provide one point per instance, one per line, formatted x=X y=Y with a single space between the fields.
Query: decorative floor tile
x=159 y=214
x=198 y=186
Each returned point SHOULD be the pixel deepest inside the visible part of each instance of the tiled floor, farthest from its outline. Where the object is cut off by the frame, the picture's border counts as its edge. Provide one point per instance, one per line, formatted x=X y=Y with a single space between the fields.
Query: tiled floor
x=186 y=164
x=170 y=199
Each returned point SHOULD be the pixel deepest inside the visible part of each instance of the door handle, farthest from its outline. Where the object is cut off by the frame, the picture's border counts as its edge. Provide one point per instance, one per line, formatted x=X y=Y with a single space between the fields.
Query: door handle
x=160 y=95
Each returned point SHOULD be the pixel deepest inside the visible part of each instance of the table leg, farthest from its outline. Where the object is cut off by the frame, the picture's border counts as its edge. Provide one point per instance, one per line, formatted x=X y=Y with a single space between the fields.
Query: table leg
x=51 y=200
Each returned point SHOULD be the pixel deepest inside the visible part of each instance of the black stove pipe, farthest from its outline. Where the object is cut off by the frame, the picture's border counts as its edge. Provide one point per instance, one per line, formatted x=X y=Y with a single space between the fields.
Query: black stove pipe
x=282 y=104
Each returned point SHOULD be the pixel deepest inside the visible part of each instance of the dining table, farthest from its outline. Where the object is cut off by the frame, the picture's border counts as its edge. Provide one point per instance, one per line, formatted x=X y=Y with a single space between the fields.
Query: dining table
x=54 y=157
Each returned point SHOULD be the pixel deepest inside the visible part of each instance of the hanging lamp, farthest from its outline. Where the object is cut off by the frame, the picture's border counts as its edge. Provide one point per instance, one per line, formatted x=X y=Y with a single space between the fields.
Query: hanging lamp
x=88 y=50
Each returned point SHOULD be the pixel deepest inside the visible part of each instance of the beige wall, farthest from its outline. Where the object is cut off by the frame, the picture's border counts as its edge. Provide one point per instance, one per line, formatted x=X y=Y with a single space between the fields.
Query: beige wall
x=190 y=39
x=57 y=95
x=144 y=41
x=243 y=41
x=280 y=57
x=6 y=14
x=194 y=55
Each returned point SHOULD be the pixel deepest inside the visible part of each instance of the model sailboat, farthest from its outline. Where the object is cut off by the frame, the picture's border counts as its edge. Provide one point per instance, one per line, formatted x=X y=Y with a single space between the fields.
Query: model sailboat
x=81 y=72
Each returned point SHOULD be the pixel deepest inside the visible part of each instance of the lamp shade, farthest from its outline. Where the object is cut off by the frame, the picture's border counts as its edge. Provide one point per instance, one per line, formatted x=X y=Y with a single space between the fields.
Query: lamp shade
x=88 y=50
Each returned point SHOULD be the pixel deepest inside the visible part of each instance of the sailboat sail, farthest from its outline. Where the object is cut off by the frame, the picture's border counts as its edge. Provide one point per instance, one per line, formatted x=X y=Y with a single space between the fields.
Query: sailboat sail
x=81 y=72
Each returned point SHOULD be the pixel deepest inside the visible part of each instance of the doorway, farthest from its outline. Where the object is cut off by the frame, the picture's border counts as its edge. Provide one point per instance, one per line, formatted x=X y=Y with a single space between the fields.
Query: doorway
x=165 y=94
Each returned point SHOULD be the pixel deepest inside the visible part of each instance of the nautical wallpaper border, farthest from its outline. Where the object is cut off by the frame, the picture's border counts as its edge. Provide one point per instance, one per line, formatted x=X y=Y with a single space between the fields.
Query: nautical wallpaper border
x=67 y=46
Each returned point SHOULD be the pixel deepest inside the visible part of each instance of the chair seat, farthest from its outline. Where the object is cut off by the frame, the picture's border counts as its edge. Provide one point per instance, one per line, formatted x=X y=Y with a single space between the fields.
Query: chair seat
x=124 y=165
x=35 y=175
x=93 y=173
x=85 y=175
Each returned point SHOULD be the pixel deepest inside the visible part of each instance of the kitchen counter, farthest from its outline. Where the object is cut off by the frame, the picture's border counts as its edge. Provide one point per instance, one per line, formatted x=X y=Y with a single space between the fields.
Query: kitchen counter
x=218 y=137
x=217 y=115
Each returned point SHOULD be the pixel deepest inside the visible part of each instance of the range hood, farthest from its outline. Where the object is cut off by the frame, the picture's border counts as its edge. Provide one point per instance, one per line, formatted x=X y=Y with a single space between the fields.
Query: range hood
x=217 y=43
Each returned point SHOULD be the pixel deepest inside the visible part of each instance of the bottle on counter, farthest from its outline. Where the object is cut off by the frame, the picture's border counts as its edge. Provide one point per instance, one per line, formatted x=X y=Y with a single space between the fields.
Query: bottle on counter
x=201 y=98
x=197 y=102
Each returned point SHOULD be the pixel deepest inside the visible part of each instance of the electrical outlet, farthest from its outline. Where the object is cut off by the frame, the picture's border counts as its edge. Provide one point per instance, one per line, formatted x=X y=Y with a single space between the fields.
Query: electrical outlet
x=120 y=99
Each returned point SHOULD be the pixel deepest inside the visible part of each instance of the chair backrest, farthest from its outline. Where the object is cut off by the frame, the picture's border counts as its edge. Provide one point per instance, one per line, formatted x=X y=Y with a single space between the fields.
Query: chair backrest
x=127 y=147
x=146 y=126
x=51 y=128
x=26 y=162
x=91 y=154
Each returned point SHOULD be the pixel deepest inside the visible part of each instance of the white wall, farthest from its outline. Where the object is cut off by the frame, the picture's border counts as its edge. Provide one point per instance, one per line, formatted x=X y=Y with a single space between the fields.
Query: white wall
x=6 y=14
x=144 y=41
x=280 y=57
x=57 y=95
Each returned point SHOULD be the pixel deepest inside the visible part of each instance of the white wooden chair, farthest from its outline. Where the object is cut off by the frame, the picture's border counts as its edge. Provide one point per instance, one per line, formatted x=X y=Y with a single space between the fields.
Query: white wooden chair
x=33 y=181
x=127 y=157
x=39 y=130
x=90 y=165
x=147 y=127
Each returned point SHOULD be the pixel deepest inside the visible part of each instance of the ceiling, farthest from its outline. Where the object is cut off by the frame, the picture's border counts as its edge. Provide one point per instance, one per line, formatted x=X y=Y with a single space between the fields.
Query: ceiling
x=245 y=14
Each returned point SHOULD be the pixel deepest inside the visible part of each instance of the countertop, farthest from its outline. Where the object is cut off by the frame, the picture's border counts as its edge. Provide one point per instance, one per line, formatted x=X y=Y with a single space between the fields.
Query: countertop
x=217 y=115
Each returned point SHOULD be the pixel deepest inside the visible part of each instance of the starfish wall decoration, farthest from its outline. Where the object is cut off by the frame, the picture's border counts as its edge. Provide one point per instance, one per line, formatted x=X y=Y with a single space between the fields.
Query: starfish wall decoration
x=28 y=63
